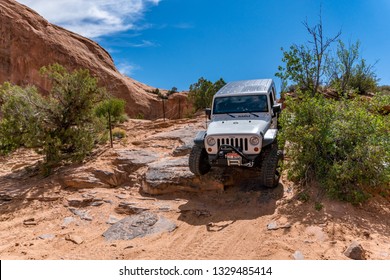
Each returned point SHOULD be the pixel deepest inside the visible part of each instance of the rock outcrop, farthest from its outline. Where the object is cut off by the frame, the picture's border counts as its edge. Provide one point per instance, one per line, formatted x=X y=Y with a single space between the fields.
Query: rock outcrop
x=28 y=42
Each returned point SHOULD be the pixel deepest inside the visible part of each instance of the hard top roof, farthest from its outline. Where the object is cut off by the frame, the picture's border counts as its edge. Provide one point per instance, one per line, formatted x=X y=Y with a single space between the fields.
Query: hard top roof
x=246 y=86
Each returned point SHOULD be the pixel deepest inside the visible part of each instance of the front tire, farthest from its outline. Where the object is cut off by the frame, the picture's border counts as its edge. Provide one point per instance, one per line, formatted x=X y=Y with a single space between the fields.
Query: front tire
x=199 y=161
x=270 y=167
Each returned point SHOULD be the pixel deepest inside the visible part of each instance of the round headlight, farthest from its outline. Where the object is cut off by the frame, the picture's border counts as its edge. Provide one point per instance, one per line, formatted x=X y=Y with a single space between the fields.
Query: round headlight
x=210 y=141
x=254 y=140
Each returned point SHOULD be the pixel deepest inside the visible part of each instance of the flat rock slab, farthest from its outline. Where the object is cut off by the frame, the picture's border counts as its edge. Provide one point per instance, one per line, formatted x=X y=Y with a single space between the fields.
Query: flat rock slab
x=138 y=225
x=172 y=174
x=130 y=161
x=185 y=135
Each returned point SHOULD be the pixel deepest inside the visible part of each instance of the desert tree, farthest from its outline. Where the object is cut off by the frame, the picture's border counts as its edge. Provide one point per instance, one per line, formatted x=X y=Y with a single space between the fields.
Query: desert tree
x=61 y=125
x=112 y=109
x=304 y=64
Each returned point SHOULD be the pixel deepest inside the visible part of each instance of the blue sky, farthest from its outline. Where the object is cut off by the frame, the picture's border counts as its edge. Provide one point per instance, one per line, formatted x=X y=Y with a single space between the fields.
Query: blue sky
x=167 y=43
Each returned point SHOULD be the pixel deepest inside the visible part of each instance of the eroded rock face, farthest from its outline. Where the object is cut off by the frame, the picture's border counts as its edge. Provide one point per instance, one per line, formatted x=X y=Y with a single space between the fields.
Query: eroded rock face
x=28 y=42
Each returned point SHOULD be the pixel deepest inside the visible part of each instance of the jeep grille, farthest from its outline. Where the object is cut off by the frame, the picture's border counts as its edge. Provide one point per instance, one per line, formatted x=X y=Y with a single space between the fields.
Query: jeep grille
x=239 y=143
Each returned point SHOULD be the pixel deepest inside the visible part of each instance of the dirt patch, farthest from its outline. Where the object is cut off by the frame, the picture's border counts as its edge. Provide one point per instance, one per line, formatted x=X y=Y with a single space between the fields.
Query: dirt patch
x=238 y=221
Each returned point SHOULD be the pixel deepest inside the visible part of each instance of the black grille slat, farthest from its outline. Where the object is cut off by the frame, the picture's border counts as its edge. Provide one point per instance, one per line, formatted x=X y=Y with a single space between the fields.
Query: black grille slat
x=239 y=143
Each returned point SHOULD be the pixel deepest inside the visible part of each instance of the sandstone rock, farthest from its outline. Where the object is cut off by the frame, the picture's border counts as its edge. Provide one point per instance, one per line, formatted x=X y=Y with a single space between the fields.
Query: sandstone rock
x=173 y=174
x=97 y=203
x=129 y=208
x=112 y=220
x=83 y=214
x=113 y=178
x=67 y=221
x=30 y=222
x=138 y=226
x=185 y=136
x=130 y=161
x=23 y=32
x=355 y=251
x=81 y=180
x=48 y=236
x=90 y=177
x=74 y=238
x=272 y=225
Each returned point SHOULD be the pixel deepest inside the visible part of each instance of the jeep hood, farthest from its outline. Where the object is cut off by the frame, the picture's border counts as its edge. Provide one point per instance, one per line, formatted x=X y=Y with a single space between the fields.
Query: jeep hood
x=241 y=127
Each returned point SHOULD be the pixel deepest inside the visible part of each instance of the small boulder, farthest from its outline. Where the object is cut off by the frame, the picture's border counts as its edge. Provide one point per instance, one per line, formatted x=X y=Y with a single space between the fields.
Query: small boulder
x=74 y=238
x=355 y=251
x=138 y=225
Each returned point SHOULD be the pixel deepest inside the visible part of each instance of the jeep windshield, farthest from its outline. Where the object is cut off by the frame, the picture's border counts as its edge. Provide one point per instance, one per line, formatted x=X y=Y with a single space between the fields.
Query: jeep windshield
x=240 y=104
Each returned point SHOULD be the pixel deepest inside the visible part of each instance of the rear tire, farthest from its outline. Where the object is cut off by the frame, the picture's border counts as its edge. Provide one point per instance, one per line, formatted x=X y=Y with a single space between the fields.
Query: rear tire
x=199 y=161
x=270 y=167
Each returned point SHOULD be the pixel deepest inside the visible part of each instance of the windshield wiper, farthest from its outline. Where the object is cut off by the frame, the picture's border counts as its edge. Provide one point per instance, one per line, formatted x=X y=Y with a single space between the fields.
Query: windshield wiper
x=233 y=116
x=253 y=114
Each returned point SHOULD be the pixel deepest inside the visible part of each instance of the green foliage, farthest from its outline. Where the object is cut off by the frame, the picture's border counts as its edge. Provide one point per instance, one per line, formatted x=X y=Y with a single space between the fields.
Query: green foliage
x=303 y=196
x=318 y=206
x=21 y=119
x=385 y=89
x=344 y=145
x=201 y=93
x=62 y=126
x=349 y=74
x=304 y=64
x=172 y=91
x=113 y=108
x=118 y=133
x=300 y=67
x=140 y=116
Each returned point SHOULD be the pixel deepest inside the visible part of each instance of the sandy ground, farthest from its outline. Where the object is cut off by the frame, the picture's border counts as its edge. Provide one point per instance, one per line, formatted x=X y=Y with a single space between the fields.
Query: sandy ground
x=240 y=222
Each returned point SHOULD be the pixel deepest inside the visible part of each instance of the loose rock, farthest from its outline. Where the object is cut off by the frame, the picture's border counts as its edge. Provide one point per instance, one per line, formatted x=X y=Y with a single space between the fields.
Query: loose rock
x=74 y=238
x=83 y=214
x=112 y=220
x=355 y=251
x=67 y=221
x=138 y=226
x=129 y=208
x=298 y=255
x=30 y=222
x=47 y=236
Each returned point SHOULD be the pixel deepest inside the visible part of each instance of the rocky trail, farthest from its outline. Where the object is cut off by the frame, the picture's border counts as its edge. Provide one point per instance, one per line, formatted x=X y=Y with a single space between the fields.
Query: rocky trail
x=140 y=201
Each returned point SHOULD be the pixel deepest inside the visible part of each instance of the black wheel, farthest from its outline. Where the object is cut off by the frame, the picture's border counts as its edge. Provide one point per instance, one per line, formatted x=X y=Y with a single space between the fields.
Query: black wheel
x=199 y=161
x=270 y=167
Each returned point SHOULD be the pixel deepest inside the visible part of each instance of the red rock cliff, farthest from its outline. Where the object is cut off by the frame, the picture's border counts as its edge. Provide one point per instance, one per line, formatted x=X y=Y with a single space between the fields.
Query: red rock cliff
x=28 y=42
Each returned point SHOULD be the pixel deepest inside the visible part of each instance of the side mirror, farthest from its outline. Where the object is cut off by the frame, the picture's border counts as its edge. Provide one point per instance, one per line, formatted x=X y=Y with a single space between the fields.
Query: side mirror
x=276 y=108
x=208 y=112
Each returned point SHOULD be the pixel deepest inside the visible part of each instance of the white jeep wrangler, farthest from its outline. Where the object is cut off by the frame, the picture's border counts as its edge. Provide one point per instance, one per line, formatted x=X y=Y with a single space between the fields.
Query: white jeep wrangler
x=242 y=131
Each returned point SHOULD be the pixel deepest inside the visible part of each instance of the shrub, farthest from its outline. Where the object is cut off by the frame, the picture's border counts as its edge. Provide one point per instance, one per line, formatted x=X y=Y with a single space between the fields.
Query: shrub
x=119 y=133
x=140 y=116
x=62 y=126
x=342 y=144
x=201 y=93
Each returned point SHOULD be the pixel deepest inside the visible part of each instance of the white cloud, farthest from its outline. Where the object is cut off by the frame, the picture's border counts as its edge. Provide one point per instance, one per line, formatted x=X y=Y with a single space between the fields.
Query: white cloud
x=127 y=68
x=92 y=18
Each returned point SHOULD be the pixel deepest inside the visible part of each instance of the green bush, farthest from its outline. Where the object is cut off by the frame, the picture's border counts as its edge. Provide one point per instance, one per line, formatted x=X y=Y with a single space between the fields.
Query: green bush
x=201 y=93
x=62 y=125
x=344 y=145
x=118 y=133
